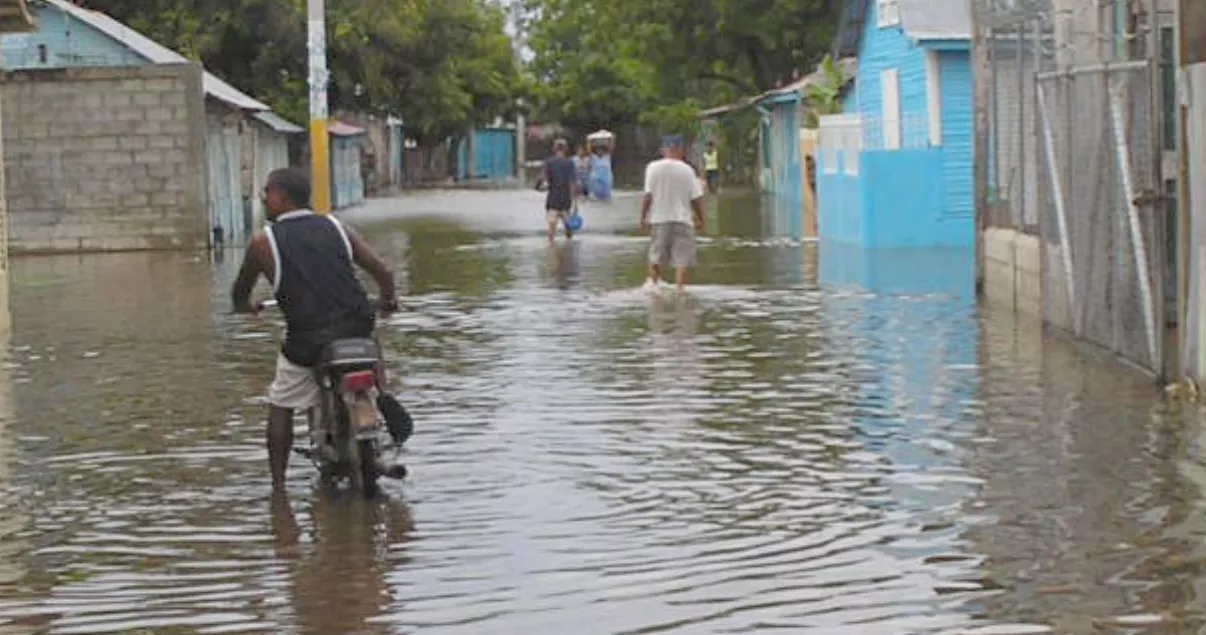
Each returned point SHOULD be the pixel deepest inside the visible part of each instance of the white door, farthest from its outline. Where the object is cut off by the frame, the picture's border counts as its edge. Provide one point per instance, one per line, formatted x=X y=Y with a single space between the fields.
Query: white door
x=890 y=80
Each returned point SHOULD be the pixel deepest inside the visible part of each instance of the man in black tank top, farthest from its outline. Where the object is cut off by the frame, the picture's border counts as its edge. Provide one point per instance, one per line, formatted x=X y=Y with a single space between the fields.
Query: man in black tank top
x=310 y=261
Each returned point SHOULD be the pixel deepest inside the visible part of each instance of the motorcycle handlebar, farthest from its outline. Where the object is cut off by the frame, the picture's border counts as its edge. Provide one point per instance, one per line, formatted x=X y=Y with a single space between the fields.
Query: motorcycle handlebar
x=376 y=302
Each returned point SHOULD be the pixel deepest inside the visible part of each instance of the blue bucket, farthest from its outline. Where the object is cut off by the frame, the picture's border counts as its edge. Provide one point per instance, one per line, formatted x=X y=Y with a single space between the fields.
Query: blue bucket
x=573 y=222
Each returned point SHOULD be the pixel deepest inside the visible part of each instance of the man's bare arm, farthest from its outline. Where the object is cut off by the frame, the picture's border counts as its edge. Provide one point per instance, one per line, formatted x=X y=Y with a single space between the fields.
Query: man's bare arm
x=253 y=266
x=646 y=207
x=370 y=262
x=698 y=208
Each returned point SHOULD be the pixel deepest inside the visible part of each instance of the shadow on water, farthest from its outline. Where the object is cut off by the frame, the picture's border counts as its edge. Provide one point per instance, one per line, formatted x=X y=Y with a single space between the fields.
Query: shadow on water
x=813 y=439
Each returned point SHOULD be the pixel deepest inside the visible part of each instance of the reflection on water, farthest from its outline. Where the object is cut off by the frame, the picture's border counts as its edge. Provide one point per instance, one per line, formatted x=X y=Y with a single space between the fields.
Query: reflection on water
x=814 y=439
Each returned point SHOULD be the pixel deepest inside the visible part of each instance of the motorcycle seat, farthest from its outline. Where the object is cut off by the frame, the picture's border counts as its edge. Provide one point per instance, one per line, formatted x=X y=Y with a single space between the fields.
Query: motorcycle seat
x=350 y=354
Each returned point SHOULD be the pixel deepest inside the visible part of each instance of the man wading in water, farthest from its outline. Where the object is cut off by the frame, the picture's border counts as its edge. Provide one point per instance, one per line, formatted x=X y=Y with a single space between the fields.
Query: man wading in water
x=671 y=212
x=560 y=174
x=309 y=260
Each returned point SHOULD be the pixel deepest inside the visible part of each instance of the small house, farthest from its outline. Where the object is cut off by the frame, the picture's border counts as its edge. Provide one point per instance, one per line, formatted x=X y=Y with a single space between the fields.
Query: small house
x=69 y=36
x=266 y=149
x=487 y=153
x=347 y=177
x=785 y=141
x=896 y=168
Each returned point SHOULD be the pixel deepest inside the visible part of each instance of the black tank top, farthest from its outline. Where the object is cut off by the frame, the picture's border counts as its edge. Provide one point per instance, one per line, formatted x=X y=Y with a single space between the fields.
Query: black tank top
x=316 y=286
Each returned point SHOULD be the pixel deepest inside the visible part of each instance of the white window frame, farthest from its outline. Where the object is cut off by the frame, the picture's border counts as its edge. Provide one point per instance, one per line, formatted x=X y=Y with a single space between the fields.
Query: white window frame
x=887 y=13
x=890 y=125
x=933 y=94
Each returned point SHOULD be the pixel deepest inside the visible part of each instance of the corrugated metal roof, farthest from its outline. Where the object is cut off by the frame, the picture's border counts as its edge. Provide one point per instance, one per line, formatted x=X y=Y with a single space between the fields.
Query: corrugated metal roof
x=936 y=19
x=848 y=66
x=278 y=123
x=921 y=20
x=156 y=53
x=341 y=129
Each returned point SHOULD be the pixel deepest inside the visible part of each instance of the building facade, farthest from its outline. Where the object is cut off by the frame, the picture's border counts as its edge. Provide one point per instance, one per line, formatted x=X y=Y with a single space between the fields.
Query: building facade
x=895 y=169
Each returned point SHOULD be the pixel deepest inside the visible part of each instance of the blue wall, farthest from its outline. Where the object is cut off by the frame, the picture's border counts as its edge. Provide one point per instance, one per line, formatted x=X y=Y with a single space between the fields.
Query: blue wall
x=347 y=181
x=895 y=200
x=69 y=44
x=783 y=149
x=494 y=154
x=958 y=133
x=886 y=49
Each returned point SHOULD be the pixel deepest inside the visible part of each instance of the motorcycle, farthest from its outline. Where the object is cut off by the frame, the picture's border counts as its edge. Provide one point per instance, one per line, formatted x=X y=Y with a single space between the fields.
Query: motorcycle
x=357 y=421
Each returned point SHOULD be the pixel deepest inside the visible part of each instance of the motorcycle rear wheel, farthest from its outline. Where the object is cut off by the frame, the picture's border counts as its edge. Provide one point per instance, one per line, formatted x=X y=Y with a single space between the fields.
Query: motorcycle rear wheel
x=364 y=472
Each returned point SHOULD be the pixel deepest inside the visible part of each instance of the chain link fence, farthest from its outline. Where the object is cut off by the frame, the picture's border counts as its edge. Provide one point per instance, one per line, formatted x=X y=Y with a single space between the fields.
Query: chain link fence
x=1072 y=151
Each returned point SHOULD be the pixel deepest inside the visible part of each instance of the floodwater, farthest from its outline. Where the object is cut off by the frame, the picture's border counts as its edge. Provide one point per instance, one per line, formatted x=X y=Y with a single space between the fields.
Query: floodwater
x=814 y=440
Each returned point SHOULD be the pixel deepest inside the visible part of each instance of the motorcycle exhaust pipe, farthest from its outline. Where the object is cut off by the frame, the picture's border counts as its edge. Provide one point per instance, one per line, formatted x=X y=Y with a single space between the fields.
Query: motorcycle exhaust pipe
x=395 y=471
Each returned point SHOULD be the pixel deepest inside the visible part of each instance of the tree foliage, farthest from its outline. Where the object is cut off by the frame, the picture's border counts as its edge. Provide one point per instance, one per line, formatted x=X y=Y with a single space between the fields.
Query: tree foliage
x=441 y=65
x=651 y=61
x=825 y=96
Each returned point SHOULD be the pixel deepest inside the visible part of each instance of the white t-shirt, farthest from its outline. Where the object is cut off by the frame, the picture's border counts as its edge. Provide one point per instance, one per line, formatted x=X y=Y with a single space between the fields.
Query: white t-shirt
x=672 y=185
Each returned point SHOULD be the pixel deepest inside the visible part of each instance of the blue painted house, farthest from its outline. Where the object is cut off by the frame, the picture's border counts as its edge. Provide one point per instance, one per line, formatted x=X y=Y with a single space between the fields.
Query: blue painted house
x=493 y=152
x=896 y=168
x=69 y=36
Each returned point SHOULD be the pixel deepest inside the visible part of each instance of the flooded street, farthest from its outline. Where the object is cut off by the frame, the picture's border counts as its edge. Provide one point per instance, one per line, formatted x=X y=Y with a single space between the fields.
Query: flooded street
x=814 y=440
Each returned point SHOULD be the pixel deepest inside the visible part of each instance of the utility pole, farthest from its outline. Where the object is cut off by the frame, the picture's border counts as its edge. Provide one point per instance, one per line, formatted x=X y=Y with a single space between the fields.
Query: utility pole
x=320 y=140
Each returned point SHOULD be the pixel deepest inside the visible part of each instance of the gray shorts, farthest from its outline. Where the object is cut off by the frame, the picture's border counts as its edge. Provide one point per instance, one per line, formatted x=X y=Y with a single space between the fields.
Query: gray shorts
x=673 y=244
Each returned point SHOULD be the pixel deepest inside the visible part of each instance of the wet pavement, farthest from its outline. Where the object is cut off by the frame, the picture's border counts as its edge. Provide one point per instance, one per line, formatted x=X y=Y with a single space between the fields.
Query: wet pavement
x=814 y=440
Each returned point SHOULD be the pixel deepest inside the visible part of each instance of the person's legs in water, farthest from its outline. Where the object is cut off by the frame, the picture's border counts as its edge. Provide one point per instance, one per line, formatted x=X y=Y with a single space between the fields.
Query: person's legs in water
x=551 y=216
x=658 y=254
x=280 y=443
x=293 y=388
x=682 y=251
x=680 y=278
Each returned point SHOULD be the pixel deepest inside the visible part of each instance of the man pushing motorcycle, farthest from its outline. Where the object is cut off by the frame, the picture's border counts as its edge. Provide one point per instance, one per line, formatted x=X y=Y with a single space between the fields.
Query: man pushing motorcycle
x=308 y=259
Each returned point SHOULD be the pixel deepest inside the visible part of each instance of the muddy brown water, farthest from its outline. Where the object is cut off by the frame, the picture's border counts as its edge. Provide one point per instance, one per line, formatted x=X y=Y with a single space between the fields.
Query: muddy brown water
x=815 y=440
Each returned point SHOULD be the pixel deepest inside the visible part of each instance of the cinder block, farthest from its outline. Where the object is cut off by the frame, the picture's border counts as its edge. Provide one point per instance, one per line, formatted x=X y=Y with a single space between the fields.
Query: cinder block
x=146 y=100
x=133 y=143
x=173 y=98
x=117 y=100
x=160 y=142
x=159 y=114
x=103 y=143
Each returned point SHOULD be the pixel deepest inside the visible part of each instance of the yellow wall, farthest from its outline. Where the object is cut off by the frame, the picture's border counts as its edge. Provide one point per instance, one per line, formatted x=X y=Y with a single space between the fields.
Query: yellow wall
x=808 y=150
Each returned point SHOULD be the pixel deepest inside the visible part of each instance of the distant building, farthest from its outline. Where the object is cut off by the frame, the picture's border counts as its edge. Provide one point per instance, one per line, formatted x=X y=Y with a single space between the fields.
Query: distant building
x=71 y=37
x=347 y=176
x=266 y=148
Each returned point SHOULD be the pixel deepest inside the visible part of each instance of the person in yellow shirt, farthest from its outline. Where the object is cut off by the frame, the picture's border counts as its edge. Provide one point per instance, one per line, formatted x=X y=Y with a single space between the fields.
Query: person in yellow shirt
x=712 y=167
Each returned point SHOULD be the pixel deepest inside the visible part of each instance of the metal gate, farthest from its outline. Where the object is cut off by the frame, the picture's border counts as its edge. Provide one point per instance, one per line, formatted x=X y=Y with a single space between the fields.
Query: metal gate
x=1100 y=222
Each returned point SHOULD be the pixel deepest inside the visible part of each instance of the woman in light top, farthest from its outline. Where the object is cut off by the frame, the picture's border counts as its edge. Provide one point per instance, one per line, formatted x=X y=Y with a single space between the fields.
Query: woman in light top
x=600 y=173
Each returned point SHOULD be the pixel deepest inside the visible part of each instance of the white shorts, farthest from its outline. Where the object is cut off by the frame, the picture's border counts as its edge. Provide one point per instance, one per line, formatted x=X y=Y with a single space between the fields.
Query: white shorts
x=294 y=386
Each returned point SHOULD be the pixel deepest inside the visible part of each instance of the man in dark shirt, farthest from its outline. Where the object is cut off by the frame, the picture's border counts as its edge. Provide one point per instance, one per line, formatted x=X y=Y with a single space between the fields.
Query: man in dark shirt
x=309 y=261
x=560 y=174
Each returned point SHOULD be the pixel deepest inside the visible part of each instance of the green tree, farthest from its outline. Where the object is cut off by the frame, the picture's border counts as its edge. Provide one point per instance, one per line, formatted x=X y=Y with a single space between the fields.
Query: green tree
x=825 y=96
x=632 y=61
x=442 y=65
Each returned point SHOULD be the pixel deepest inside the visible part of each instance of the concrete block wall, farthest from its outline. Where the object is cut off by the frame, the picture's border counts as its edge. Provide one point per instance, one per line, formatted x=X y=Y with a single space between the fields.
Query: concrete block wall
x=105 y=159
x=1013 y=278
